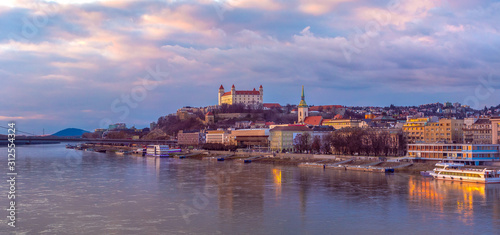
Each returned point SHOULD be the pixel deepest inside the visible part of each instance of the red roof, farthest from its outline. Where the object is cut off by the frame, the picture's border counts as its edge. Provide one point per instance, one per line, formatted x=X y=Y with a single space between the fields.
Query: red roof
x=221 y=87
x=338 y=116
x=247 y=92
x=233 y=86
x=209 y=113
x=269 y=123
x=324 y=107
x=313 y=120
x=291 y=128
x=243 y=93
x=272 y=105
x=260 y=86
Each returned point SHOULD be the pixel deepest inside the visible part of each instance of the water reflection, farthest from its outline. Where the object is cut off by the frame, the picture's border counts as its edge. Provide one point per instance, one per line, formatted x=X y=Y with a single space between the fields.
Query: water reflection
x=277 y=181
x=106 y=193
x=458 y=197
x=235 y=189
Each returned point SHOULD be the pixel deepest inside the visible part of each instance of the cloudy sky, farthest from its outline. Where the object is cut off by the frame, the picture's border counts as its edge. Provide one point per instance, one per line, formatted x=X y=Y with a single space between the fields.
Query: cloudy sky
x=87 y=63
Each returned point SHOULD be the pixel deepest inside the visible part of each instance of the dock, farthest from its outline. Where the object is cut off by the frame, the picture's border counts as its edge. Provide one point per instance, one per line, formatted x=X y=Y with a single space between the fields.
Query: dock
x=224 y=157
x=370 y=169
x=250 y=159
x=312 y=165
x=183 y=156
x=339 y=165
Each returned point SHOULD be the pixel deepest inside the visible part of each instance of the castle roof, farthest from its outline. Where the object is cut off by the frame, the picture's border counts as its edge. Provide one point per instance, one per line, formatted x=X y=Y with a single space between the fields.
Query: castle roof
x=221 y=87
x=243 y=93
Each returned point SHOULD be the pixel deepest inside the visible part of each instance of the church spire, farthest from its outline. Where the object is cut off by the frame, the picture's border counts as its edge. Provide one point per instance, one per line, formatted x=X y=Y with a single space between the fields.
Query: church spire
x=302 y=99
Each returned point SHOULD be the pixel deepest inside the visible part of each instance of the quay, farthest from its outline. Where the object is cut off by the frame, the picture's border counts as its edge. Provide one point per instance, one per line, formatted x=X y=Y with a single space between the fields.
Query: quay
x=365 y=164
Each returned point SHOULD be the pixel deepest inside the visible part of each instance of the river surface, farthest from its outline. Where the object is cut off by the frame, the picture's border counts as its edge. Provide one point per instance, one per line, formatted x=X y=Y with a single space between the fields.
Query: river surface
x=62 y=191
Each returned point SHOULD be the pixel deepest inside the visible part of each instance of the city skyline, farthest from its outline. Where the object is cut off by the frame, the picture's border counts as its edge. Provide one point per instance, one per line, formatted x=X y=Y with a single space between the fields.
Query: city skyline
x=81 y=65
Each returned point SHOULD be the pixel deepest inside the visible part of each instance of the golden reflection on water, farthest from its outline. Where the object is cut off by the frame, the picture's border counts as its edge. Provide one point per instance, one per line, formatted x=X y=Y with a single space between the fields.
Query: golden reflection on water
x=445 y=195
x=277 y=180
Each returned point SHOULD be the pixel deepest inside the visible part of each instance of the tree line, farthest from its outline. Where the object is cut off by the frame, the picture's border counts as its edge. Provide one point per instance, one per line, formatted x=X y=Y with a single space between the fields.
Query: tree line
x=219 y=147
x=351 y=141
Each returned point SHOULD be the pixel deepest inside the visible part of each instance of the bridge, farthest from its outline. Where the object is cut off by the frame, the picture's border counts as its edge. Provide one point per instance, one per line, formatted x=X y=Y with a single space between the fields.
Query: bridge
x=51 y=140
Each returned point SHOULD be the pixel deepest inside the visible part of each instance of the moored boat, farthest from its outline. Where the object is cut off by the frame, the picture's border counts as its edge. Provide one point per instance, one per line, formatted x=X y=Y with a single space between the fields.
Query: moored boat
x=122 y=152
x=69 y=146
x=160 y=150
x=426 y=173
x=457 y=172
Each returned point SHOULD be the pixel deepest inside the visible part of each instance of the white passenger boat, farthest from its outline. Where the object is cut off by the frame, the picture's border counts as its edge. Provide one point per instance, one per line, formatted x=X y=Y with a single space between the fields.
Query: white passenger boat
x=160 y=150
x=457 y=172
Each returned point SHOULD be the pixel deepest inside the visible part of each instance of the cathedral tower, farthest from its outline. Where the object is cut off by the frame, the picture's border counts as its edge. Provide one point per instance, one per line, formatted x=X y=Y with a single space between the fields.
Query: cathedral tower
x=303 y=109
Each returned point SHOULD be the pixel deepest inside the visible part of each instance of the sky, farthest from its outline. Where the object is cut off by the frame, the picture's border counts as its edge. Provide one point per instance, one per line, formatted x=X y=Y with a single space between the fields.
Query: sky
x=86 y=64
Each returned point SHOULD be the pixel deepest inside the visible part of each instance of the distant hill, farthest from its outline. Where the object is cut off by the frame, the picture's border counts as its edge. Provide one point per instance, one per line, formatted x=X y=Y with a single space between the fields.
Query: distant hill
x=70 y=132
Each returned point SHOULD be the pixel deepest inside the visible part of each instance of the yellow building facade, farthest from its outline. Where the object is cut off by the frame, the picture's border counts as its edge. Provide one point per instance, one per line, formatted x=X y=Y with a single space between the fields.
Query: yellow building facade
x=414 y=129
x=444 y=131
x=342 y=123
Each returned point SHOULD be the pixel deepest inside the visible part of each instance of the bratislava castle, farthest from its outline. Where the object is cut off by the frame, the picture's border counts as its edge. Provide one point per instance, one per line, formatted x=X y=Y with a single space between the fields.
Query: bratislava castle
x=255 y=97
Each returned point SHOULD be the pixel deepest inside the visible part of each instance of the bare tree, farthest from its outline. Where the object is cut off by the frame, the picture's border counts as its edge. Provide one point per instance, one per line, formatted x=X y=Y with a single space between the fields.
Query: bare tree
x=303 y=143
x=316 y=144
x=326 y=144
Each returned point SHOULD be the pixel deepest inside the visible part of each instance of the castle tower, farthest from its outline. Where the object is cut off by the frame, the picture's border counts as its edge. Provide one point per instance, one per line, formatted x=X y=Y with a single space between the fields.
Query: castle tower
x=233 y=94
x=261 y=91
x=221 y=92
x=303 y=109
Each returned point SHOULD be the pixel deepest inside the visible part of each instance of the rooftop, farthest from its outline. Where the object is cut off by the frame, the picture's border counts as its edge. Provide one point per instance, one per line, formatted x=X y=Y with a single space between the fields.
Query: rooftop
x=291 y=128
x=483 y=121
x=313 y=120
x=254 y=92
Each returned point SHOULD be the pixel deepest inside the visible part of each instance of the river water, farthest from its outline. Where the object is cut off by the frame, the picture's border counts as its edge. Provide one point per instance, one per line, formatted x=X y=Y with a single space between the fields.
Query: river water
x=62 y=191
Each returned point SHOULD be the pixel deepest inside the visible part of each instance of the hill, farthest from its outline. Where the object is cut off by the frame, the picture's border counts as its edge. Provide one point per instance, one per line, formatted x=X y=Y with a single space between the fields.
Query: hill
x=70 y=132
